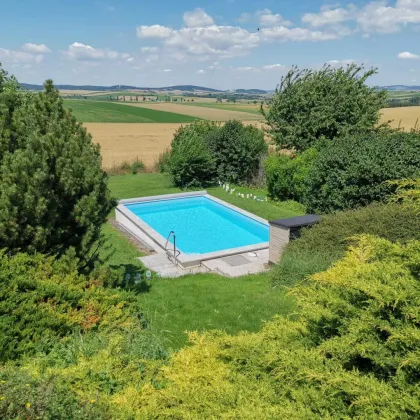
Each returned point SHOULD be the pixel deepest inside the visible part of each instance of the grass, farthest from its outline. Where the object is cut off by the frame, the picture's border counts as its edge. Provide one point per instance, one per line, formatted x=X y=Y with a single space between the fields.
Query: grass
x=205 y=301
x=108 y=112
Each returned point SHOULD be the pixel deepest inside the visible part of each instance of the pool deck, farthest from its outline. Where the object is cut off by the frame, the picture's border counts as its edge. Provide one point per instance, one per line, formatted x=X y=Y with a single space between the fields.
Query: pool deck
x=230 y=266
x=231 y=262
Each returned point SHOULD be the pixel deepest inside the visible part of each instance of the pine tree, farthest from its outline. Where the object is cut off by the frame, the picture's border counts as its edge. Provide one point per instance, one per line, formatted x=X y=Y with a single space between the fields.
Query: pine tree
x=53 y=193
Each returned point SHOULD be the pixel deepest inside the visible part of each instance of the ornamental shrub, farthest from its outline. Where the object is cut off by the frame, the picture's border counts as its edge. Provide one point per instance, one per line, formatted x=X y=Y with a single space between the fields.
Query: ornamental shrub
x=310 y=105
x=353 y=171
x=325 y=243
x=42 y=300
x=53 y=192
x=238 y=151
x=287 y=175
x=191 y=163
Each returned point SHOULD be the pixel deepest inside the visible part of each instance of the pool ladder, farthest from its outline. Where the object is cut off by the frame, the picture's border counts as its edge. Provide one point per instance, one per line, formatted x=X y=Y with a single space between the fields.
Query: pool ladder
x=172 y=253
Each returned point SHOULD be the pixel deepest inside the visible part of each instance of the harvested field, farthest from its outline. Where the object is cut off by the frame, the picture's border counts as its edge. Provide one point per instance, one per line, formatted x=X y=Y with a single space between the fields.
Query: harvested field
x=126 y=142
x=201 y=111
x=404 y=117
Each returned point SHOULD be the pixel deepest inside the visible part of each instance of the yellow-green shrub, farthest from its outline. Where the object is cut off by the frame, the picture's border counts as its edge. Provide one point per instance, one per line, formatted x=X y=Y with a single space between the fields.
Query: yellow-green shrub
x=352 y=352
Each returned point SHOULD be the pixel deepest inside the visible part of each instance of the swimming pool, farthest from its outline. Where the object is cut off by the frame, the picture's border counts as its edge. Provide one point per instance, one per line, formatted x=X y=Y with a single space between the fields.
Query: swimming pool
x=205 y=227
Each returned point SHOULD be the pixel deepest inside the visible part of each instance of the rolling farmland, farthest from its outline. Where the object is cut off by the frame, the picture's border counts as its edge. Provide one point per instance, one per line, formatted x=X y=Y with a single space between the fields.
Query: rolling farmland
x=108 y=112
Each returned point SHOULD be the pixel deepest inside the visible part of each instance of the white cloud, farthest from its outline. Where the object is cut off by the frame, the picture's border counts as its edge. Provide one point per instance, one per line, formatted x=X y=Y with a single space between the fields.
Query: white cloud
x=245 y=69
x=283 y=34
x=200 y=71
x=145 y=50
x=273 y=67
x=412 y=70
x=375 y=16
x=36 y=48
x=15 y=56
x=82 y=52
x=327 y=16
x=167 y=70
x=408 y=56
x=198 y=18
x=342 y=63
x=154 y=31
x=268 y=18
x=202 y=39
x=130 y=59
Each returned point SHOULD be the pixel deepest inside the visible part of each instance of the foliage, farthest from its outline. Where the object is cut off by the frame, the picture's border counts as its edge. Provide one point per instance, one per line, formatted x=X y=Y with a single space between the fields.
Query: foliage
x=191 y=163
x=314 y=104
x=125 y=167
x=287 y=175
x=407 y=192
x=196 y=128
x=53 y=193
x=42 y=299
x=237 y=150
x=325 y=243
x=352 y=171
x=162 y=162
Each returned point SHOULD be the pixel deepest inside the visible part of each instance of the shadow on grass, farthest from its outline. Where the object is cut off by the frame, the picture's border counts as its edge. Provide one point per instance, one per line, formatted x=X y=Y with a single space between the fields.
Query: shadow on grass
x=142 y=286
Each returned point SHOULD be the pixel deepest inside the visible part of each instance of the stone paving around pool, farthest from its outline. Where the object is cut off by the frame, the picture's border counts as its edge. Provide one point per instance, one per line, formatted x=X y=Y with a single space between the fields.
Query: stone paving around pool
x=231 y=266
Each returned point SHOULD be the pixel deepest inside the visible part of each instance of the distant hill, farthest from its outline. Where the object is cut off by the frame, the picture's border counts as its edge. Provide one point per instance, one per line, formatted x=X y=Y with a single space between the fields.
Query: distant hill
x=251 y=91
x=183 y=88
x=400 y=87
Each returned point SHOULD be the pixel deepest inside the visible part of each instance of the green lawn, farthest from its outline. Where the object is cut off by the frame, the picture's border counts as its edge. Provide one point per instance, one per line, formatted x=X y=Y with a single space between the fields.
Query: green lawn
x=109 y=112
x=207 y=301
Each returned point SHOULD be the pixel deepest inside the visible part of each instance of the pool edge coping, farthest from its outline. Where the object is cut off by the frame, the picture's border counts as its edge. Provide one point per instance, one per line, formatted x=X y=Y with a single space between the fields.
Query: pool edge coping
x=159 y=242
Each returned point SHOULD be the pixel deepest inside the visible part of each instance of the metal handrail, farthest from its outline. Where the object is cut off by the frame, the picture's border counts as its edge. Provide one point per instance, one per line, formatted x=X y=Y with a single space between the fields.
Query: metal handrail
x=167 y=250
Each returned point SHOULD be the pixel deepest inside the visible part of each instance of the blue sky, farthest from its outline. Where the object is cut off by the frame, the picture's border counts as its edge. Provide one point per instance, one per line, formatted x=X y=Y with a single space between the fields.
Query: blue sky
x=226 y=44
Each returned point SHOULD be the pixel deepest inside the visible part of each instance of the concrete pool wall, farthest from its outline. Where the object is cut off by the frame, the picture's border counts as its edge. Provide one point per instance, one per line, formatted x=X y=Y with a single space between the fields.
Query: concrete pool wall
x=141 y=230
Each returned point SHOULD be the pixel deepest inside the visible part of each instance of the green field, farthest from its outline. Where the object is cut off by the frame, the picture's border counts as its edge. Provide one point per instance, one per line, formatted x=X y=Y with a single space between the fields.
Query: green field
x=108 y=112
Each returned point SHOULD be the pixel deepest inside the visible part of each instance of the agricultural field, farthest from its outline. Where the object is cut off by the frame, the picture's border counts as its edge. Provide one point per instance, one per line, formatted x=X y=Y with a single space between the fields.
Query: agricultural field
x=126 y=142
x=404 y=117
x=202 y=111
x=108 y=112
x=239 y=106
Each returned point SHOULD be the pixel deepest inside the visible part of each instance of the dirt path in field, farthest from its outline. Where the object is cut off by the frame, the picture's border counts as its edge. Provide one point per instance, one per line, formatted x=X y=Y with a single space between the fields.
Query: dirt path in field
x=200 y=112
x=127 y=141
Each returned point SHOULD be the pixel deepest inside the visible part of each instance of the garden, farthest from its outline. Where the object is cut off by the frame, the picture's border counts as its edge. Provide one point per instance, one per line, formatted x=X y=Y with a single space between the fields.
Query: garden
x=331 y=331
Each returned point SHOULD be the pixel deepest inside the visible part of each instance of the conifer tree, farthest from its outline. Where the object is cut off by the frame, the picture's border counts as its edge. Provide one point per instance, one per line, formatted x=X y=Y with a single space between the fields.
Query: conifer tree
x=53 y=193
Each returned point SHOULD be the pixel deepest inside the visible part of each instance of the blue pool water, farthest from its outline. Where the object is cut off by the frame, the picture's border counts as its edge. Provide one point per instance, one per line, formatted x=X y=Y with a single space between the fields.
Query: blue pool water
x=201 y=225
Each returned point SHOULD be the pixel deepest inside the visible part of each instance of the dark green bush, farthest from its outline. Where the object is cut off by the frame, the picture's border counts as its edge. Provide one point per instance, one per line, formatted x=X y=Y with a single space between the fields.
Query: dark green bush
x=352 y=172
x=238 y=150
x=191 y=163
x=325 y=243
x=287 y=175
x=42 y=300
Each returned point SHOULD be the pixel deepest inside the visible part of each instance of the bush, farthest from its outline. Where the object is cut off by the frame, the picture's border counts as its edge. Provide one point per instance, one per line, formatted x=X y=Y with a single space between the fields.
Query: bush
x=237 y=150
x=310 y=105
x=53 y=192
x=42 y=300
x=352 y=352
x=352 y=172
x=287 y=175
x=162 y=162
x=191 y=163
x=325 y=243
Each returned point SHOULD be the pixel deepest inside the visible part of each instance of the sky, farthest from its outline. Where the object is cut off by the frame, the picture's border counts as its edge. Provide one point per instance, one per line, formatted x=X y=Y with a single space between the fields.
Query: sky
x=223 y=44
